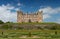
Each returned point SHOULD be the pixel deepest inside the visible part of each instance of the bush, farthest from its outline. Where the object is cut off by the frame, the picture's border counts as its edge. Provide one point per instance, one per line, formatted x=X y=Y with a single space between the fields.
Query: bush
x=29 y=34
x=1 y=22
x=6 y=26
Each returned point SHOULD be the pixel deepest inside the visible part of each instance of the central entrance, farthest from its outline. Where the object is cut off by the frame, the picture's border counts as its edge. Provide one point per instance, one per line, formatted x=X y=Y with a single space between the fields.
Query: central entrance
x=29 y=20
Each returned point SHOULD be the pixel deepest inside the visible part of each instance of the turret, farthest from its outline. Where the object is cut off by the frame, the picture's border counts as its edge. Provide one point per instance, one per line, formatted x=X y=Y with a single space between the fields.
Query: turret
x=20 y=12
x=39 y=12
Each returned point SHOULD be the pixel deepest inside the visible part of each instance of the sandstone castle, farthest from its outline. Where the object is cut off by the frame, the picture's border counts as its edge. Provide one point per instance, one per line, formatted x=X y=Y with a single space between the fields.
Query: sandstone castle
x=32 y=17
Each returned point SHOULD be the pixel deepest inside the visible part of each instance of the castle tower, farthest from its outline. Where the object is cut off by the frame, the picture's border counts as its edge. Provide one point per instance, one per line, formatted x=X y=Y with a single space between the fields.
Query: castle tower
x=19 y=16
x=40 y=16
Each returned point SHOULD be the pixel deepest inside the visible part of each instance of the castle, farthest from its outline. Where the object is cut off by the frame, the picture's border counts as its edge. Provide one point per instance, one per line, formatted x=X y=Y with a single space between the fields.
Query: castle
x=32 y=17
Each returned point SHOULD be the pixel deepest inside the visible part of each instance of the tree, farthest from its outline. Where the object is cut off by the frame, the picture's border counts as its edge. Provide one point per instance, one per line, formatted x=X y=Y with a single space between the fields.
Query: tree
x=53 y=28
x=1 y=22
x=9 y=22
x=29 y=34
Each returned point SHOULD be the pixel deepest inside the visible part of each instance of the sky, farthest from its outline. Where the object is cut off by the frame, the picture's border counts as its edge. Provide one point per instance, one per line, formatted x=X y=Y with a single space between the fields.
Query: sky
x=50 y=8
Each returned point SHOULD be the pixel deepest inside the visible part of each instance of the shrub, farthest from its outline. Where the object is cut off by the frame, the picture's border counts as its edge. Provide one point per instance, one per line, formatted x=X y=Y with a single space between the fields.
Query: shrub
x=1 y=22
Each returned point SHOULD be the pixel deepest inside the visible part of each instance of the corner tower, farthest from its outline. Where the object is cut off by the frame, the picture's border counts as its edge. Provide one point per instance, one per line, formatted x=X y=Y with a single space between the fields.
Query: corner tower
x=19 y=16
x=40 y=16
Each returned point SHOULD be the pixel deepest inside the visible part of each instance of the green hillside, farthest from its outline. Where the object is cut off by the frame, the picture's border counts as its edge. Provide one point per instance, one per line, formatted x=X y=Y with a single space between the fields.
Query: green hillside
x=44 y=25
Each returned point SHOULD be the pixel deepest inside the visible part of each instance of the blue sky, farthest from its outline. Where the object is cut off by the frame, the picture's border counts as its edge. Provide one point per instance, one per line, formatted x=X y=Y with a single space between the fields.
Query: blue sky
x=31 y=5
x=50 y=8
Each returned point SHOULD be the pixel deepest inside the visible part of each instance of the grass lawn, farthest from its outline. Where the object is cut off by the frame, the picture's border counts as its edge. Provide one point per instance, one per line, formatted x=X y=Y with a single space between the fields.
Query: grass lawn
x=24 y=34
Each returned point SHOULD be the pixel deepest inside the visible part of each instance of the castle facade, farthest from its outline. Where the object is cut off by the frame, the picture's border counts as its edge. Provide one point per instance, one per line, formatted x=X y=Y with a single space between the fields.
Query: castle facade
x=32 y=17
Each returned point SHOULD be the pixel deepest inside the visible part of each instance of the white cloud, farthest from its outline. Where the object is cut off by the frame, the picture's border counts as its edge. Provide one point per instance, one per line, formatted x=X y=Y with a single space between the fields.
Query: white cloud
x=18 y=4
x=47 y=11
x=6 y=14
x=17 y=9
x=50 y=10
x=45 y=16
